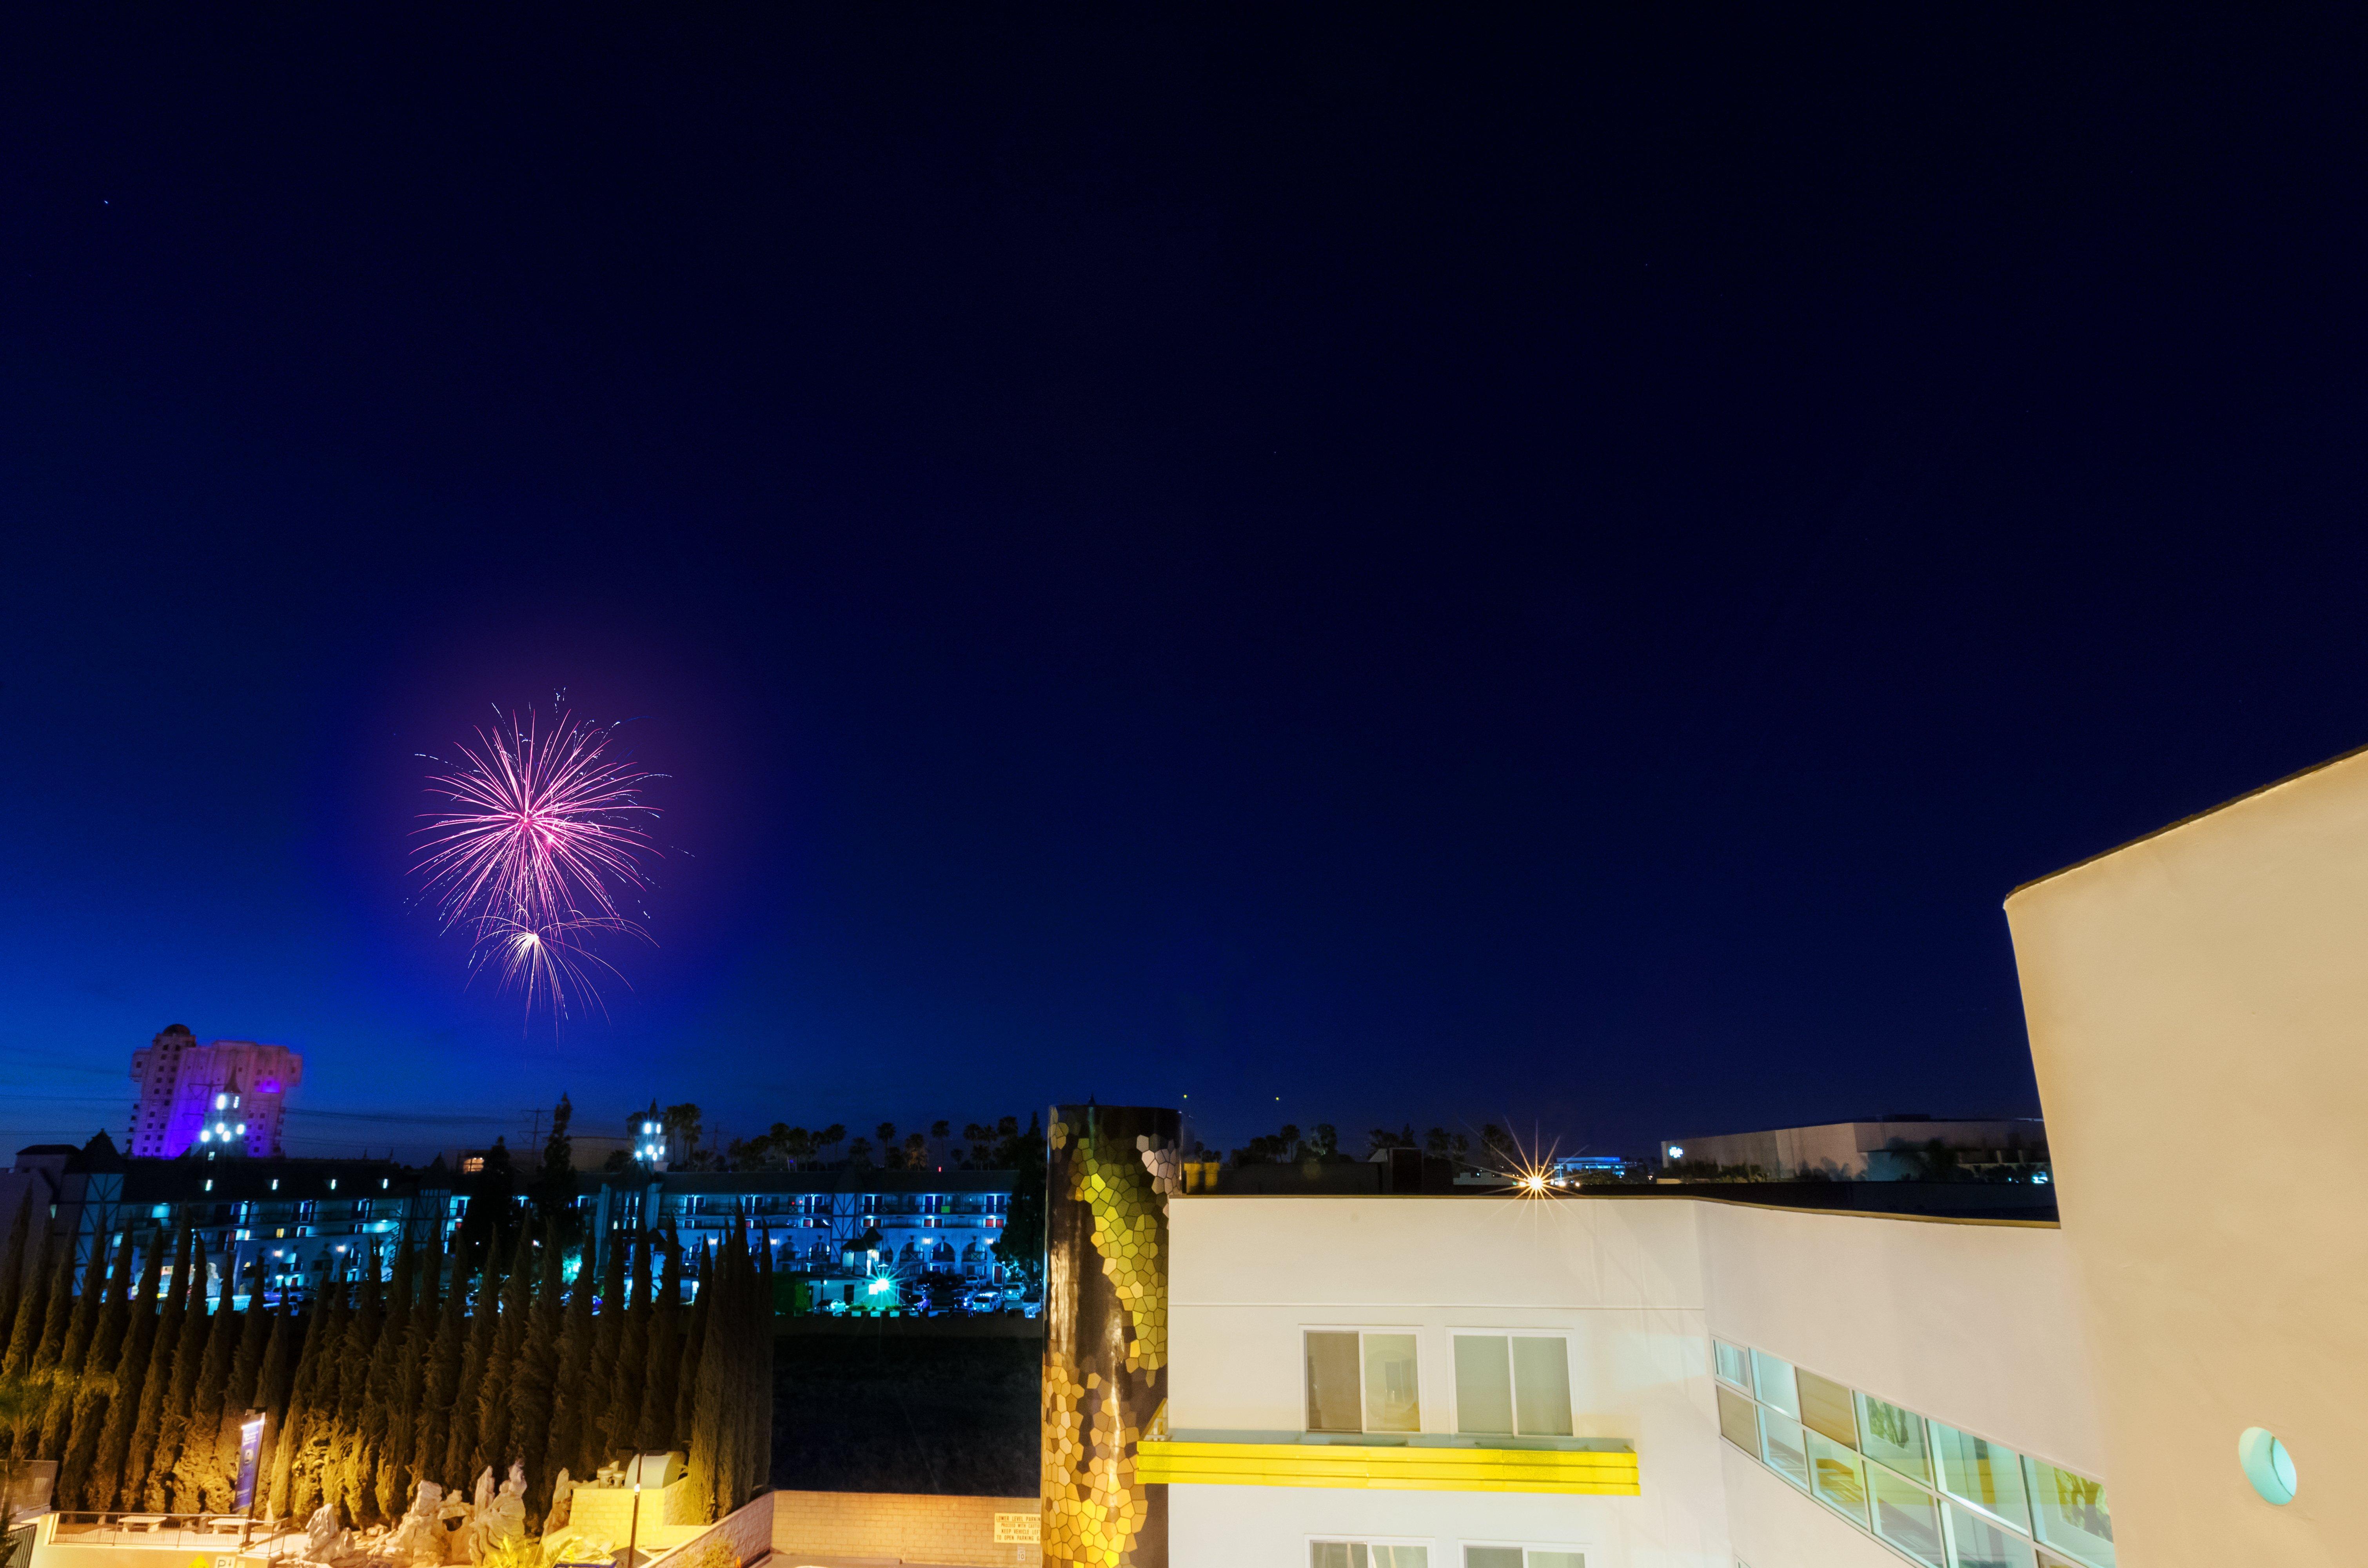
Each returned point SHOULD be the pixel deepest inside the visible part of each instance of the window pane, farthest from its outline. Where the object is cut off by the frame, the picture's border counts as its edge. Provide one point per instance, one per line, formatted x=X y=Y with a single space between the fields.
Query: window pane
x=1332 y=1389
x=1774 y=1380
x=1327 y=1554
x=2072 y=1514
x=1484 y=1384
x=1733 y=1364
x=1837 y=1476
x=1980 y=1472
x=1905 y=1516
x=1541 y=1387
x=1390 y=1401
x=1492 y=1557
x=1782 y=1446
x=1557 y=1560
x=1975 y=1542
x=1826 y=1408
x=1401 y=1557
x=1738 y=1419
x=1894 y=1436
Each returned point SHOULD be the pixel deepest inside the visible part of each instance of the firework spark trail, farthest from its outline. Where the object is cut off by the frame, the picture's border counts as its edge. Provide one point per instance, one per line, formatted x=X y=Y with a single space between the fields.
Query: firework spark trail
x=540 y=840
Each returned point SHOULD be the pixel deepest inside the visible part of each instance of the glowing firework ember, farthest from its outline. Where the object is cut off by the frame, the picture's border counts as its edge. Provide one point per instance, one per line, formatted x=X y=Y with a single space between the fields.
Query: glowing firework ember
x=538 y=844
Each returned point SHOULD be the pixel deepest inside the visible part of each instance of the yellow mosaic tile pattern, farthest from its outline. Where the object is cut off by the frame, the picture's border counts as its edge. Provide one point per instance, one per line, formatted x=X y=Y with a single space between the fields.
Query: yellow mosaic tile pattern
x=1130 y=1222
x=1093 y=1515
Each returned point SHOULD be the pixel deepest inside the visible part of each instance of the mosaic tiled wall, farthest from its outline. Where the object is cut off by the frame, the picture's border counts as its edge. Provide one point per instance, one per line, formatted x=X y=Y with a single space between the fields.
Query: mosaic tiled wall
x=1109 y=1170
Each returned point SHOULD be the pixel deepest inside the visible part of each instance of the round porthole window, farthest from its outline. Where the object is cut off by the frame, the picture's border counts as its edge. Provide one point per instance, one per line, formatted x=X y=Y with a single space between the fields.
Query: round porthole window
x=2267 y=1464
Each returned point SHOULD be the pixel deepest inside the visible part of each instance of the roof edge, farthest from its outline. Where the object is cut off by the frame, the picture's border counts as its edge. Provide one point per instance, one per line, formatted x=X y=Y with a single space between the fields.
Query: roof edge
x=2296 y=777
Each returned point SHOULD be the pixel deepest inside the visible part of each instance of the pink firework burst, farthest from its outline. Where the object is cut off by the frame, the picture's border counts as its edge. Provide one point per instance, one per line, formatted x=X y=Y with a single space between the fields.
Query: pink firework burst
x=540 y=840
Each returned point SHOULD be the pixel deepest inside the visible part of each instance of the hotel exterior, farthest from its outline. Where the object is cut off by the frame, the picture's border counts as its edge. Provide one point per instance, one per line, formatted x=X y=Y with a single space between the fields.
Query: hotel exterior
x=1362 y=1373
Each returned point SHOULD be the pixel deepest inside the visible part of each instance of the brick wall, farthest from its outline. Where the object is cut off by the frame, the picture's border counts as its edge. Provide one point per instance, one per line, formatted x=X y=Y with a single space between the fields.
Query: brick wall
x=902 y=1525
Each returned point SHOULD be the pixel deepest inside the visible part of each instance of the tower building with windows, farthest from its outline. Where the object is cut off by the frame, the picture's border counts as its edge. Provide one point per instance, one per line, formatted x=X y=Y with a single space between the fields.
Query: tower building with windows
x=226 y=1096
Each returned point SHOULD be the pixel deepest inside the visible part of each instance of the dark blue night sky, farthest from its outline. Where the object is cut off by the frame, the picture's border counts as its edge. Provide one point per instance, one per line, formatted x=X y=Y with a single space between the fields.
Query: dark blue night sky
x=1361 y=566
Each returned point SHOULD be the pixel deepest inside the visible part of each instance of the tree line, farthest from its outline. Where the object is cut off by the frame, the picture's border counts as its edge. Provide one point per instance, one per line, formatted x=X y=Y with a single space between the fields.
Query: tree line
x=139 y=1391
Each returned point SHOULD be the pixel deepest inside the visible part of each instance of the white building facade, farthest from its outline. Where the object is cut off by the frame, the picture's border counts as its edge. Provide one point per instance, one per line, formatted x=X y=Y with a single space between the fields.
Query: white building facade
x=1631 y=1381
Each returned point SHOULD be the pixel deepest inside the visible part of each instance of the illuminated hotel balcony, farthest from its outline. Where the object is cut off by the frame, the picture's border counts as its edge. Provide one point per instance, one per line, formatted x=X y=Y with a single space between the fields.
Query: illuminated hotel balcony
x=1599 y=1467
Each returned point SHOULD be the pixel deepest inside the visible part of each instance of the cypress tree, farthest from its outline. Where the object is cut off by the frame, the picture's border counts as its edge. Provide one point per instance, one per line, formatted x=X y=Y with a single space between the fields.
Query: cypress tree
x=308 y=1479
x=402 y=1460
x=628 y=1383
x=461 y=1445
x=656 y=1433
x=274 y=1382
x=694 y=1340
x=304 y=1397
x=439 y=1387
x=600 y=1384
x=535 y=1372
x=760 y=1391
x=517 y=1301
x=566 y=1448
x=131 y=1383
x=57 y=1307
x=343 y=1482
x=93 y=1392
x=32 y=1312
x=173 y=1420
x=61 y=1367
x=381 y=1470
x=239 y=1396
x=199 y=1485
x=713 y=1465
x=172 y=1307
x=22 y=1255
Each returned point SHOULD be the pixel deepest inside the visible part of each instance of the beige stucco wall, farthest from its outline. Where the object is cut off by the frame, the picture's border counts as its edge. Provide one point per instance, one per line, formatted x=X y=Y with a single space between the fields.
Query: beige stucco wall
x=1976 y=1324
x=2198 y=1006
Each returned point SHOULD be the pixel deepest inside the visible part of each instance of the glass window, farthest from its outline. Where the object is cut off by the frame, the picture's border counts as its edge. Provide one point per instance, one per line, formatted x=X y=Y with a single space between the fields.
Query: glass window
x=1976 y=1470
x=1365 y=1554
x=1837 y=1476
x=1782 y=1446
x=1507 y=1384
x=1739 y=1420
x=1893 y=1436
x=1542 y=1386
x=1557 y=1559
x=1492 y=1557
x=1332 y=1383
x=1774 y=1381
x=1975 y=1542
x=2071 y=1513
x=1905 y=1516
x=1734 y=1364
x=1390 y=1404
x=1484 y=1384
x=1826 y=1408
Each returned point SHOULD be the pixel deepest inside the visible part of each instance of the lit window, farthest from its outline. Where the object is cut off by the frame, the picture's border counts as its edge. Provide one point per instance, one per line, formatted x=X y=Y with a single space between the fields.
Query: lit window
x=1380 y=1395
x=1367 y=1554
x=1773 y=1378
x=1975 y=1470
x=1739 y=1421
x=221 y=1102
x=1512 y=1384
x=1976 y=1542
x=2071 y=1514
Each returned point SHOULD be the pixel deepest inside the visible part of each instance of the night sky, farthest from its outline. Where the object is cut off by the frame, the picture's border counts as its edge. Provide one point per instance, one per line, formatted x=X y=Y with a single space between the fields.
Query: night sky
x=1364 y=565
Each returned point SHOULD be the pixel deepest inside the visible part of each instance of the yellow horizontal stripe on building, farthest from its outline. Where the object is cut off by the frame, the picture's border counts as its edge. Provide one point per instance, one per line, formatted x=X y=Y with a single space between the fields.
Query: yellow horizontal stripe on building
x=1593 y=1472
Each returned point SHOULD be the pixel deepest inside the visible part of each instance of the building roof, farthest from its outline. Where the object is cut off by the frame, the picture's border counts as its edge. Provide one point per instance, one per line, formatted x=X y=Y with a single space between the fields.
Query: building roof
x=885 y=1182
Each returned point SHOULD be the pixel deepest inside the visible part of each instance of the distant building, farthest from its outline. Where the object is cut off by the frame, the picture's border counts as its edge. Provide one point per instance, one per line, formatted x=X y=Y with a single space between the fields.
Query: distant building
x=226 y=1096
x=1893 y=1148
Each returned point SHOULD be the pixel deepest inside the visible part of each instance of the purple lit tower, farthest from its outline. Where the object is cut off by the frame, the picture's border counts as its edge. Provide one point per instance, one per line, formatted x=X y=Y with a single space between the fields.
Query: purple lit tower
x=225 y=1096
